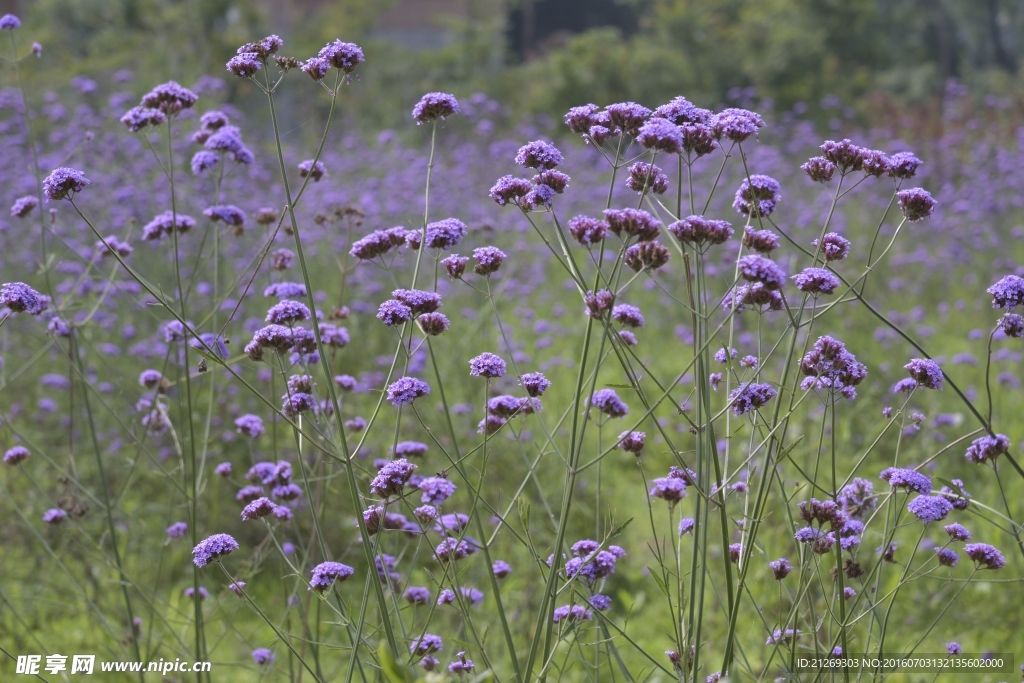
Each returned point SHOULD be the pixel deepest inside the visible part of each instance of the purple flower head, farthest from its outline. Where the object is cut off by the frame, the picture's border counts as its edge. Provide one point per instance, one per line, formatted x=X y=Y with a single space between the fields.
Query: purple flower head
x=1008 y=292
x=947 y=557
x=535 y=383
x=488 y=260
x=587 y=231
x=445 y=234
x=281 y=259
x=698 y=139
x=228 y=214
x=736 y=124
x=20 y=298
x=392 y=478
x=686 y=525
x=165 y=223
x=609 y=403
x=247 y=494
x=434 y=106
x=755 y=268
x=138 y=118
x=501 y=569
x=249 y=425
x=844 y=154
x=953 y=648
x=190 y=593
x=451 y=549
x=911 y=480
x=903 y=165
x=660 y=134
x=170 y=98
x=245 y=64
x=669 y=489
x=426 y=644
x=417 y=595
x=780 y=568
x=632 y=442
x=917 y=204
x=212 y=548
x=429 y=663
x=633 y=222
x=571 y=613
x=63 y=183
x=959 y=497
x=627 y=315
x=237 y=587
x=555 y=180
x=750 y=396
x=830 y=367
x=835 y=247
x=343 y=56
x=647 y=177
x=54 y=516
x=957 y=532
x=203 y=161
x=757 y=196
x=929 y=508
x=816 y=281
x=315 y=170
x=857 y=498
x=264 y=47
x=819 y=169
x=628 y=116
x=406 y=390
x=602 y=603
x=455 y=265
x=985 y=555
x=487 y=365
x=15 y=455
x=987 y=448
x=579 y=119
x=646 y=256
x=9 y=22
x=700 y=230
x=223 y=469
x=23 y=206
x=874 y=163
x=1012 y=325
x=259 y=508
x=229 y=141
x=461 y=666
x=316 y=68
x=820 y=541
x=510 y=190
x=262 y=656
x=326 y=573
x=436 y=490
x=925 y=372
x=503 y=406
x=287 y=312
x=394 y=312
x=539 y=154
x=680 y=110
x=761 y=241
x=433 y=324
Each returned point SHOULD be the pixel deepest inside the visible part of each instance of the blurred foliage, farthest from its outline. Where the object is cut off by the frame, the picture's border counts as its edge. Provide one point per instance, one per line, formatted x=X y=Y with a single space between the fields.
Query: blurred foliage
x=789 y=50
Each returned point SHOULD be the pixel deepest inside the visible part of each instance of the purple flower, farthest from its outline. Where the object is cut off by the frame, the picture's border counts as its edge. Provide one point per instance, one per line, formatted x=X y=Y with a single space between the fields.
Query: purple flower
x=510 y=190
x=315 y=170
x=326 y=573
x=929 y=508
x=587 y=231
x=488 y=260
x=757 y=196
x=445 y=234
x=987 y=448
x=212 y=548
x=957 y=532
x=463 y=665
x=228 y=213
x=903 y=165
x=816 y=281
x=844 y=154
x=539 y=154
x=917 y=204
x=686 y=525
x=819 y=169
x=701 y=230
x=572 y=613
x=911 y=480
x=633 y=222
x=875 y=163
x=249 y=425
x=755 y=268
x=287 y=312
x=501 y=569
x=343 y=56
x=436 y=490
x=829 y=366
x=947 y=557
x=392 y=478
x=535 y=383
x=925 y=372
x=63 y=183
x=609 y=403
x=433 y=324
x=434 y=106
x=451 y=549
x=244 y=65
x=669 y=489
x=138 y=118
x=780 y=636
x=191 y=591
x=223 y=469
x=680 y=110
x=736 y=124
x=417 y=595
x=487 y=365
x=628 y=315
x=647 y=177
x=170 y=98
x=23 y=206
x=1012 y=325
x=579 y=119
x=316 y=68
x=259 y=508
x=750 y=396
x=632 y=442
x=857 y=498
x=426 y=644
x=262 y=656
x=985 y=555
x=628 y=116
x=406 y=390
x=660 y=134
x=393 y=312
x=835 y=247
x=54 y=516
x=780 y=568
x=177 y=530
x=15 y=455
x=164 y=223
x=761 y=241
x=9 y=22
x=1008 y=292
x=20 y=298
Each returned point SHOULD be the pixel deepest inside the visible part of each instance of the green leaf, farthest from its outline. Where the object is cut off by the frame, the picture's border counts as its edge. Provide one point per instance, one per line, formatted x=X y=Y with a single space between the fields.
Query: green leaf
x=618 y=530
x=395 y=672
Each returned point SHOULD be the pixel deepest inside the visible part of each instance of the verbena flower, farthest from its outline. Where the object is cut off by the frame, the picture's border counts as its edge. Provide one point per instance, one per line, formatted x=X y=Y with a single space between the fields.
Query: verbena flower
x=679 y=110
x=262 y=656
x=436 y=490
x=985 y=556
x=686 y=525
x=819 y=169
x=170 y=98
x=903 y=165
x=20 y=298
x=316 y=68
x=750 y=396
x=929 y=508
x=433 y=324
x=761 y=241
x=874 y=163
x=780 y=568
x=660 y=134
x=857 y=498
x=461 y=666
x=834 y=247
x=925 y=372
x=15 y=455
x=571 y=613
x=228 y=214
x=501 y=569
x=648 y=256
x=986 y=448
x=1008 y=292
x=244 y=65
x=392 y=478
x=844 y=154
x=669 y=489
x=700 y=230
x=138 y=118
x=343 y=56
x=957 y=532
x=959 y=497
x=816 y=281
x=609 y=403
x=393 y=312
x=487 y=365
x=539 y=154
x=64 y=183
x=54 y=516
x=1012 y=325
x=488 y=260
x=633 y=223
x=9 y=22
x=830 y=367
x=406 y=390
x=455 y=265
x=587 y=231
x=628 y=315
x=535 y=383
x=510 y=190
x=647 y=177
x=947 y=557
x=632 y=442
x=917 y=204
x=417 y=595
x=953 y=648
x=434 y=106
x=911 y=480
x=445 y=234
x=755 y=268
x=736 y=124
x=780 y=636
x=426 y=644
x=579 y=119
x=628 y=116
x=757 y=196
x=214 y=547
x=326 y=573
x=314 y=169
x=23 y=206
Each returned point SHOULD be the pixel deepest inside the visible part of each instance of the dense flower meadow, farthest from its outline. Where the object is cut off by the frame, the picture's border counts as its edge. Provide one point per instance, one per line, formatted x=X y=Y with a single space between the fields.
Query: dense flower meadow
x=668 y=394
